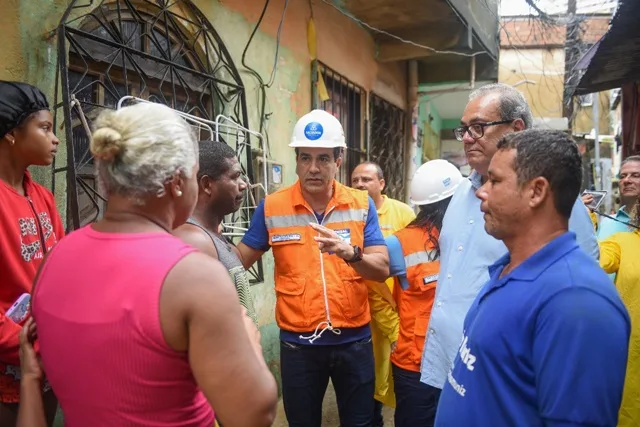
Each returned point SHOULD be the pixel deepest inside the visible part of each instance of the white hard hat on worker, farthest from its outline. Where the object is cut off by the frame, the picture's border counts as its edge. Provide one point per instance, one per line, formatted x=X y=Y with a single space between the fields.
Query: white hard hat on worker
x=318 y=129
x=434 y=181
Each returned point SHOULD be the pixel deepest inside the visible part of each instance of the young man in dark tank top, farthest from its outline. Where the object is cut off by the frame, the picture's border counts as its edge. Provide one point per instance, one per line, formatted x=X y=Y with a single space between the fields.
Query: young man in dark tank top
x=220 y=192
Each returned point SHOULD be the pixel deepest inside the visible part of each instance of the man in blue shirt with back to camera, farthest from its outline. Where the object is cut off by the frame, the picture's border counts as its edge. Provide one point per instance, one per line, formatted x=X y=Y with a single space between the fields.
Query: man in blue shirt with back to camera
x=545 y=342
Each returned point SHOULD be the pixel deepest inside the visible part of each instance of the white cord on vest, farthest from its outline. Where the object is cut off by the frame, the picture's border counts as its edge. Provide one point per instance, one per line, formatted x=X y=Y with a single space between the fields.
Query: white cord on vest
x=328 y=326
x=317 y=335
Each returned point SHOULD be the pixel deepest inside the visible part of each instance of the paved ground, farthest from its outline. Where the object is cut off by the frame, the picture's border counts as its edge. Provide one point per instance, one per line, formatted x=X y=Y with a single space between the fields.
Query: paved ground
x=330 y=412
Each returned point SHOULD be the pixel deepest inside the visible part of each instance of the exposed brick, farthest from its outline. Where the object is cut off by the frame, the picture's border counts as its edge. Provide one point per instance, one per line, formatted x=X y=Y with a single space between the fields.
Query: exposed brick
x=529 y=32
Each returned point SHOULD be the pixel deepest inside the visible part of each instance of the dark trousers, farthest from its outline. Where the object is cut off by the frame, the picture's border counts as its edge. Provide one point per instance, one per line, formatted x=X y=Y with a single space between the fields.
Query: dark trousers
x=416 y=402
x=378 y=419
x=306 y=370
x=9 y=411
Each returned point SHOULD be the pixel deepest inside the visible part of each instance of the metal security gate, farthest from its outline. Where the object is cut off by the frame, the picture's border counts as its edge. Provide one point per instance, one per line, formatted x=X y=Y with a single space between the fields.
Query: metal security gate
x=387 y=143
x=162 y=51
x=345 y=100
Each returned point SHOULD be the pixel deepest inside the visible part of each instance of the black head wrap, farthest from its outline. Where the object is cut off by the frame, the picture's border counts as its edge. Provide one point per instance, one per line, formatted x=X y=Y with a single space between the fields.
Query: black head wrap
x=17 y=102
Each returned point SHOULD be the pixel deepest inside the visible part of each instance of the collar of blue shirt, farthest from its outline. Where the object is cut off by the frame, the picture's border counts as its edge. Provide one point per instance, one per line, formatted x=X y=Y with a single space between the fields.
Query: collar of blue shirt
x=476 y=179
x=537 y=263
x=622 y=212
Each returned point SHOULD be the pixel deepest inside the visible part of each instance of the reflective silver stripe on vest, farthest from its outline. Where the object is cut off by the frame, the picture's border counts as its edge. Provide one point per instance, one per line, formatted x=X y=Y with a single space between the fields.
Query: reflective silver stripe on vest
x=296 y=220
x=301 y=220
x=419 y=258
x=346 y=216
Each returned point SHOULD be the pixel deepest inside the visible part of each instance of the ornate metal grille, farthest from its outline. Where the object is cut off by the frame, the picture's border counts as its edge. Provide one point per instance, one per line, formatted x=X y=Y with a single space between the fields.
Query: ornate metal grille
x=388 y=124
x=160 y=50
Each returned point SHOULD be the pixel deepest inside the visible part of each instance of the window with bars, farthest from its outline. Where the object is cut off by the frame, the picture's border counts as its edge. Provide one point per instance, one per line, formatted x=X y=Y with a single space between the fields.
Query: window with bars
x=387 y=141
x=346 y=102
x=166 y=52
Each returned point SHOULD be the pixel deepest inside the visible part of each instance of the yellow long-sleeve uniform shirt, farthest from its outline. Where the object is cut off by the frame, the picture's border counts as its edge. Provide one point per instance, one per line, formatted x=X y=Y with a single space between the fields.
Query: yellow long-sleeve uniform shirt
x=392 y=216
x=620 y=253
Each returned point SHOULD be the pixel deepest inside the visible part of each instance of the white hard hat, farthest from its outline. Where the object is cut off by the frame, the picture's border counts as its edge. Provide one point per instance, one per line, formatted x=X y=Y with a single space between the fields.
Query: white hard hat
x=434 y=181
x=318 y=129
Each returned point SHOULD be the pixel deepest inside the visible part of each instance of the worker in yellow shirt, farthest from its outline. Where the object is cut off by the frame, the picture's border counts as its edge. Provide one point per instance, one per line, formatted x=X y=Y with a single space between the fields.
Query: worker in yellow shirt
x=619 y=255
x=393 y=215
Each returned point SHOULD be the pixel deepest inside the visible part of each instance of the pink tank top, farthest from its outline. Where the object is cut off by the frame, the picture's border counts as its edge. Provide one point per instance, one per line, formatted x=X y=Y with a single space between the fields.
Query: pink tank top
x=96 y=304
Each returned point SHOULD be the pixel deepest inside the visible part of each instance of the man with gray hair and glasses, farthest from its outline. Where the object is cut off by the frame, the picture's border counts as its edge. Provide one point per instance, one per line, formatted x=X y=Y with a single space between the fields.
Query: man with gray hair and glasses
x=466 y=249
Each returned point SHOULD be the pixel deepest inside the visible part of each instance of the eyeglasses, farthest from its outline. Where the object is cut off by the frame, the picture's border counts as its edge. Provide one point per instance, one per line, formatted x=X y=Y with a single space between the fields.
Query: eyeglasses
x=476 y=130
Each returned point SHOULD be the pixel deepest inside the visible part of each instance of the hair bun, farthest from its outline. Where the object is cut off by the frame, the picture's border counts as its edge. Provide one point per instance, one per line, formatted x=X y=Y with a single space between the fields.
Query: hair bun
x=106 y=143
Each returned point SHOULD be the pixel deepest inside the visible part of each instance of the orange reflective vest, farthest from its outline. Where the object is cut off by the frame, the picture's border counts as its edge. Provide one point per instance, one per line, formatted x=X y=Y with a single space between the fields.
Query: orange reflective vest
x=307 y=299
x=415 y=302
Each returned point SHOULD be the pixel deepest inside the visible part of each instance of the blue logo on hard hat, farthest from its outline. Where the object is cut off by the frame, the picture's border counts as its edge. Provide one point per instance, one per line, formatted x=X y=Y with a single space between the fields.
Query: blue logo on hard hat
x=446 y=182
x=313 y=131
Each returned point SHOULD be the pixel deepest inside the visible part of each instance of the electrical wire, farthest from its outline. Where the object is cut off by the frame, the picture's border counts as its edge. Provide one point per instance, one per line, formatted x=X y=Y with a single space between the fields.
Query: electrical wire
x=540 y=12
x=400 y=39
x=254 y=72
x=275 y=60
x=262 y=87
x=544 y=25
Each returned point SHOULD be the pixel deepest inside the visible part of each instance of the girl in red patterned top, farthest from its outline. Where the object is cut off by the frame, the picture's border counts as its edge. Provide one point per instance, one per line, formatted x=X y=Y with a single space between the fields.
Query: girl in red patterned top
x=29 y=224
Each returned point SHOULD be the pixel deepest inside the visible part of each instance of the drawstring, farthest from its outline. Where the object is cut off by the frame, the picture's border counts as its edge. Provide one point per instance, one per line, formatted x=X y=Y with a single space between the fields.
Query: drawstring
x=317 y=335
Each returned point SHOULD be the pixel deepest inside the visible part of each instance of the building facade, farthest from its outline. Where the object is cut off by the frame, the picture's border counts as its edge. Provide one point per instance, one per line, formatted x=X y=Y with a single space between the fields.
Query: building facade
x=532 y=57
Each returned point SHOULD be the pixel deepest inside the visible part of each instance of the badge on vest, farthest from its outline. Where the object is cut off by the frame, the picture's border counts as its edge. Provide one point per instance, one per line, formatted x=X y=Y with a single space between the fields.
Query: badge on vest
x=429 y=279
x=291 y=237
x=345 y=234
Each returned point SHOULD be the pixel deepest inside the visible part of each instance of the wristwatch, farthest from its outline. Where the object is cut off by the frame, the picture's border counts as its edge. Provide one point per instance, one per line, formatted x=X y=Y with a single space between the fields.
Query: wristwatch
x=357 y=255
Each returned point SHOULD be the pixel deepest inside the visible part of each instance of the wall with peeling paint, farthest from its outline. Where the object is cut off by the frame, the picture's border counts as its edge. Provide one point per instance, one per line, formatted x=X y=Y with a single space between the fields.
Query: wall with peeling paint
x=29 y=53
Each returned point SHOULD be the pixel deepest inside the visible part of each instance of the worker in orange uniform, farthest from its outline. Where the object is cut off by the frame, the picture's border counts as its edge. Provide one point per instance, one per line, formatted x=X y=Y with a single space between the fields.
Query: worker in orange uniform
x=393 y=215
x=326 y=241
x=414 y=263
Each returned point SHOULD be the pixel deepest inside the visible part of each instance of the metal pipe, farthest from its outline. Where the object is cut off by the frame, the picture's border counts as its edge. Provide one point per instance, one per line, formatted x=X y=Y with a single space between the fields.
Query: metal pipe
x=472 y=82
x=412 y=135
x=521 y=82
x=262 y=140
x=186 y=116
x=217 y=123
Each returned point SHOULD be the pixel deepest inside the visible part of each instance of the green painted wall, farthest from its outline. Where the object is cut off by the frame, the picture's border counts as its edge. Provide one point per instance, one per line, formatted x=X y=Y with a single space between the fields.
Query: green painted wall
x=426 y=110
x=450 y=123
x=436 y=123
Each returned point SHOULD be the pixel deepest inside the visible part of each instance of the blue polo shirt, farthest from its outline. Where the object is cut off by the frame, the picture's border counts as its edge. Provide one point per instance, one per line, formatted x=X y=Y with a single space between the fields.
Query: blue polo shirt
x=257 y=237
x=545 y=345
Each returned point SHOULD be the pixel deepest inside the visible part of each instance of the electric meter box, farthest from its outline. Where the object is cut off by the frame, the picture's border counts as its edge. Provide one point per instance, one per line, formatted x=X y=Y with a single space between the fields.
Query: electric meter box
x=275 y=174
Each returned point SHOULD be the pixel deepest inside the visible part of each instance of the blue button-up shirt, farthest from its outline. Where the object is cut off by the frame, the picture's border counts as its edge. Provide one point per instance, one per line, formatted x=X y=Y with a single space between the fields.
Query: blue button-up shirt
x=466 y=252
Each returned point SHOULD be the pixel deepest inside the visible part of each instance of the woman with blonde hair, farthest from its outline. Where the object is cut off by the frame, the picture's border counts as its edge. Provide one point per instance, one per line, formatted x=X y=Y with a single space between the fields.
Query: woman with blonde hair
x=135 y=327
x=620 y=255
